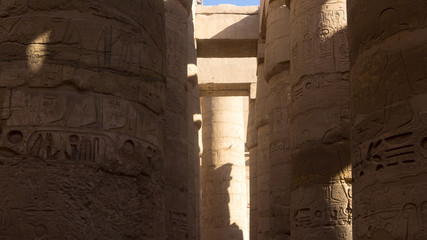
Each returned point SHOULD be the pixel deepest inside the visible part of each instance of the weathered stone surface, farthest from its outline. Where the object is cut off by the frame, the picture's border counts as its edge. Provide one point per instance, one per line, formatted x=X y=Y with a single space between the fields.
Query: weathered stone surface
x=179 y=193
x=277 y=74
x=224 y=200
x=280 y=169
x=277 y=46
x=227 y=31
x=388 y=92
x=82 y=95
x=194 y=125
x=252 y=147
x=227 y=70
x=263 y=167
x=320 y=156
x=227 y=22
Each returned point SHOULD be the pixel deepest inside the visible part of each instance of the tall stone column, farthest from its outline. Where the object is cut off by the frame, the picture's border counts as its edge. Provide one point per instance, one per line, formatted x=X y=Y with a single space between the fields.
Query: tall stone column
x=277 y=74
x=194 y=125
x=263 y=167
x=388 y=91
x=320 y=121
x=81 y=102
x=178 y=167
x=224 y=200
x=252 y=146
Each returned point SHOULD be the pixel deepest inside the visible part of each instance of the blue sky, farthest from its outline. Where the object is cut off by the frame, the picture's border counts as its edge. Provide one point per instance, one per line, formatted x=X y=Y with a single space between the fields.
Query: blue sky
x=235 y=2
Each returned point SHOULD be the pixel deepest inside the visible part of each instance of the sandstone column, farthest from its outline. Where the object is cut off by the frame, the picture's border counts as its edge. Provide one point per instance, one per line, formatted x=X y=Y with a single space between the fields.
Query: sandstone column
x=193 y=127
x=277 y=74
x=388 y=92
x=81 y=102
x=263 y=167
x=224 y=203
x=252 y=146
x=320 y=157
x=178 y=222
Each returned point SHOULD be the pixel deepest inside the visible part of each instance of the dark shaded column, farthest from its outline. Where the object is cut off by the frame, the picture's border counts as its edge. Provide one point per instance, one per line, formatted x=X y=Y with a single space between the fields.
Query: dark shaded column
x=277 y=74
x=179 y=168
x=194 y=123
x=252 y=146
x=320 y=156
x=263 y=166
x=389 y=118
x=81 y=102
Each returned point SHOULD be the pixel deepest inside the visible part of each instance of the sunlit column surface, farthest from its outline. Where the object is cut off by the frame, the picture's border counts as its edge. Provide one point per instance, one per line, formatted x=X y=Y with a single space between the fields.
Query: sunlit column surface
x=320 y=156
x=224 y=200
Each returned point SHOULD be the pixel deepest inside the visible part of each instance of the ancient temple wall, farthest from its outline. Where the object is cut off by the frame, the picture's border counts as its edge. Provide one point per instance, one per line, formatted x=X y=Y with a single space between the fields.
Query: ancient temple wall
x=320 y=155
x=82 y=99
x=224 y=198
x=388 y=92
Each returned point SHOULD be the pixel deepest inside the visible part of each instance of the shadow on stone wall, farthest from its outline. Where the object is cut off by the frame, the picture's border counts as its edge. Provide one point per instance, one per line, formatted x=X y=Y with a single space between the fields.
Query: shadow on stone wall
x=218 y=225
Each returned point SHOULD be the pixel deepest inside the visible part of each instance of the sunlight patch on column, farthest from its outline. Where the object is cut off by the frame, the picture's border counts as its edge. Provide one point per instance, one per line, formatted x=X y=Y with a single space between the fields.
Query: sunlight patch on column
x=36 y=51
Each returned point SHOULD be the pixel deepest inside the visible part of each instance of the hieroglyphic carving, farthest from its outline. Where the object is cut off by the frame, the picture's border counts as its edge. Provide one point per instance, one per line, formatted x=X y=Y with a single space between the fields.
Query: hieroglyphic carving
x=319 y=137
x=388 y=95
x=80 y=144
x=75 y=128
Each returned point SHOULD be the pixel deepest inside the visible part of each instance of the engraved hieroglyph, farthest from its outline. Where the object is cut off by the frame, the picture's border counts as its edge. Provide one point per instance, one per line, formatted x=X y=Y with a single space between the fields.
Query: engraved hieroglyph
x=81 y=102
x=388 y=92
x=178 y=224
x=320 y=156
x=277 y=74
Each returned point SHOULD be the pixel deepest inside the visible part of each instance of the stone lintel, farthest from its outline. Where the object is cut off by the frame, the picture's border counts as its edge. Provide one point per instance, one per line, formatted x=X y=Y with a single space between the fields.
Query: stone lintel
x=218 y=48
x=227 y=9
x=224 y=89
x=230 y=24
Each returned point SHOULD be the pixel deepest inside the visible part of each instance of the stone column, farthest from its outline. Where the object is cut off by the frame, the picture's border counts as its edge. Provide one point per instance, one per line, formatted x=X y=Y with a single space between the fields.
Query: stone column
x=178 y=224
x=252 y=146
x=194 y=125
x=224 y=211
x=320 y=156
x=388 y=92
x=81 y=105
x=277 y=74
x=263 y=167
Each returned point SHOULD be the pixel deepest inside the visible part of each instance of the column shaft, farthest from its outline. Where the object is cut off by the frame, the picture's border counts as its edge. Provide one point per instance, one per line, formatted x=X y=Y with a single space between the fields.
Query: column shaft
x=388 y=91
x=81 y=96
x=277 y=74
x=178 y=224
x=263 y=166
x=252 y=146
x=320 y=157
x=224 y=200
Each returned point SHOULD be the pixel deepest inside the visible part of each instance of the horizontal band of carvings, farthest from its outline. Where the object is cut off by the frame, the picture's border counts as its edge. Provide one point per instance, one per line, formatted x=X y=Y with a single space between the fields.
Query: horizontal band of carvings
x=224 y=89
x=226 y=48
